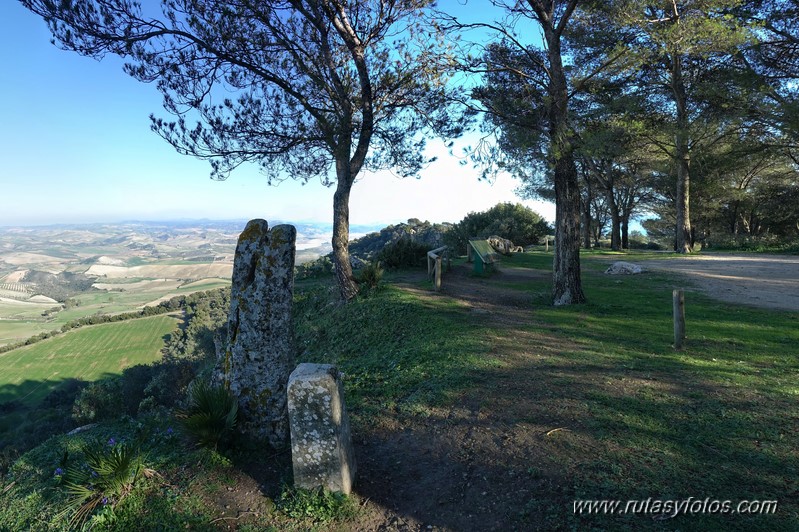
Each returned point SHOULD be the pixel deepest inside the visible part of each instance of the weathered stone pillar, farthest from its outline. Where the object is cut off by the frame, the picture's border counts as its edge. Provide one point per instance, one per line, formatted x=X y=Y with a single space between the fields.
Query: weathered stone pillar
x=260 y=350
x=321 y=447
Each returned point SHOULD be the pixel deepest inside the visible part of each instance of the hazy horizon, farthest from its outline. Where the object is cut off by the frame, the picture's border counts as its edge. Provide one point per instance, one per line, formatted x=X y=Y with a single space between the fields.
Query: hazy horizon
x=77 y=148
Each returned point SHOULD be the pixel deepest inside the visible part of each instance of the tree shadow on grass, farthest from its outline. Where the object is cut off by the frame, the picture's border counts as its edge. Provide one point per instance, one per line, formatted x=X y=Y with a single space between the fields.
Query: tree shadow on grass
x=529 y=439
x=25 y=424
x=557 y=418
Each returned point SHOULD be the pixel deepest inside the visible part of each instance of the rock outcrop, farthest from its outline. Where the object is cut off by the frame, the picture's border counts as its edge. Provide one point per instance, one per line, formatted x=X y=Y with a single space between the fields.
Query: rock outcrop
x=503 y=245
x=260 y=353
x=426 y=233
x=624 y=268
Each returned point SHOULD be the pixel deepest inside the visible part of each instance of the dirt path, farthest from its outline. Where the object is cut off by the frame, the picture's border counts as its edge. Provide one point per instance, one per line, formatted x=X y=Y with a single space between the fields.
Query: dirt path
x=486 y=463
x=476 y=466
x=770 y=281
x=472 y=466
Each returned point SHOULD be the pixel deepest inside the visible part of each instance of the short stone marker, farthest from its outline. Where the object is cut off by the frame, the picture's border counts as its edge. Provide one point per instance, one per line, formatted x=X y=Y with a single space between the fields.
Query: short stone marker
x=321 y=447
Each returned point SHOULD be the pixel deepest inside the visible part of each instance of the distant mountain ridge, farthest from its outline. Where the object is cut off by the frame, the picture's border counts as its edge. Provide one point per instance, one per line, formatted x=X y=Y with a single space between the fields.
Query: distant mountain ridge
x=151 y=239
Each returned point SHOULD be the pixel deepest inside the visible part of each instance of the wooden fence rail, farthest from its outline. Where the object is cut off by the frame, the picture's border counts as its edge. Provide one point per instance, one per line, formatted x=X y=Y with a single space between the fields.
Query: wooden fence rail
x=435 y=264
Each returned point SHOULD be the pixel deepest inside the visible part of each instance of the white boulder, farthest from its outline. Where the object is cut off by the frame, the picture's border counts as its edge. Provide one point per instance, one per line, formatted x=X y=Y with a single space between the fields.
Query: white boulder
x=624 y=268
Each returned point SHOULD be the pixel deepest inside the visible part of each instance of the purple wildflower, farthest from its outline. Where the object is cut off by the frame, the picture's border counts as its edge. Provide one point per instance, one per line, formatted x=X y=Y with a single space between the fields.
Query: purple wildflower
x=112 y=441
x=104 y=501
x=58 y=472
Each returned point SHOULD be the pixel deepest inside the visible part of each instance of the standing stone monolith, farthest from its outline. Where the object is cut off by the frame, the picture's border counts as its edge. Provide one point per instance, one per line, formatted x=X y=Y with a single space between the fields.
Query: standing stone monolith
x=260 y=349
x=321 y=446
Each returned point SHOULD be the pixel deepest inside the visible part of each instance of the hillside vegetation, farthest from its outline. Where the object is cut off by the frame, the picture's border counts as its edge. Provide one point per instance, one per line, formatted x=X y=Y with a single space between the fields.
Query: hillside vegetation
x=484 y=404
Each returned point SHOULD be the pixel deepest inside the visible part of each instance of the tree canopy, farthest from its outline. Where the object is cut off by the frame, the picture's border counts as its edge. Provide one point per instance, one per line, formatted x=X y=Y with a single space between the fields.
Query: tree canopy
x=684 y=111
x=303 y=88
x=514 y=221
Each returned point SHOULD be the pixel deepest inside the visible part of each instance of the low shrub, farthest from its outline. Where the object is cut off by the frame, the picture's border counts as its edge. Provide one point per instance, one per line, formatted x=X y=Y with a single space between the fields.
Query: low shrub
x=101 y=400
x=517 y=223
x=106 y=474
x=169 y=384
x=210 y=415
x=635 y=243
x=760 y=244
x=404 y=253
x=321 y=267
x=371 y=275
x=318 y=505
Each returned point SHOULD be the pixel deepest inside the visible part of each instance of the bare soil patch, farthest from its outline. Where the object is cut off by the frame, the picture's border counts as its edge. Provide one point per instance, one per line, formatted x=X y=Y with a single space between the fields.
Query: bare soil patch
x=770 y=281
x=473 y=466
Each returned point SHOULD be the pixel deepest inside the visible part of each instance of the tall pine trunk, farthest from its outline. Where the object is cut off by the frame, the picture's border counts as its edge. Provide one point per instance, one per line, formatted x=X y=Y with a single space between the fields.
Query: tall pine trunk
x=625 y=232
x=615 y=218
x=567 y=286
x=341 y=232
x=585 y=227
x=566 y=282
x=682 y=230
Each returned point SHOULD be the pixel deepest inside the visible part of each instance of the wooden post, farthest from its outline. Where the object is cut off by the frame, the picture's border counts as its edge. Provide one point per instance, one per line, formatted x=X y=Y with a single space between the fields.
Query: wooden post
x=438 y=273
x=429 y=266
x=546 y=244
x=678 y=299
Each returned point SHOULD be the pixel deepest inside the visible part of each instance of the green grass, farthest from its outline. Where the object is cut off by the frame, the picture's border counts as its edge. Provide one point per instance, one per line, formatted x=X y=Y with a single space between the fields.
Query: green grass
x=31 y=372
x=612 y=411
x=23 y=321
x=718 y=418
x=399 y=352
x=17 y=330
x=203 y=284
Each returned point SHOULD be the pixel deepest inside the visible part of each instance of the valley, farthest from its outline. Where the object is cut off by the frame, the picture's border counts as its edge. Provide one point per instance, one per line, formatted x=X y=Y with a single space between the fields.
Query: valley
x=51 y=275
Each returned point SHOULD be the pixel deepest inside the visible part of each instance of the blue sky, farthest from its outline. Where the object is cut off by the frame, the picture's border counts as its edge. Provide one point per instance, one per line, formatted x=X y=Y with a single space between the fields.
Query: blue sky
x=76 y=147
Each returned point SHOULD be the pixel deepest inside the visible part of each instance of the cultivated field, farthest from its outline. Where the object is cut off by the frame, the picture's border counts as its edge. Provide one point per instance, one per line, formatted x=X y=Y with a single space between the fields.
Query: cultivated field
x=29 y=373
x=52 y=275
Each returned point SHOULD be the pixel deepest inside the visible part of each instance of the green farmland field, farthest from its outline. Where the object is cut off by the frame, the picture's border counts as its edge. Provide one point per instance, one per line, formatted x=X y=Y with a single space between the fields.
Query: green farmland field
x=29 y=373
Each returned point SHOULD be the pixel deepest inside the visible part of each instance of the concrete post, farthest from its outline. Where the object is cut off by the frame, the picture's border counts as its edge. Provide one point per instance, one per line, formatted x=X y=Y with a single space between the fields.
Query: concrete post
x=321 y=447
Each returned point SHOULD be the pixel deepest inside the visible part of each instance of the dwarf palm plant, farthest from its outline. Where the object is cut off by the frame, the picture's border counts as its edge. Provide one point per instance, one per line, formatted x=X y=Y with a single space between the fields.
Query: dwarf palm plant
x=107 y=475
x=210 y=415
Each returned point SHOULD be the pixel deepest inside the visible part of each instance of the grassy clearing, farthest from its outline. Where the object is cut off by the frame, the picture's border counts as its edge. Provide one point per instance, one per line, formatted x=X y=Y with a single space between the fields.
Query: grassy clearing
x=17 y=330
x=203 y=284
x=718 y=419
x=400 y=353
x=592 y=400
x=31 y=372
